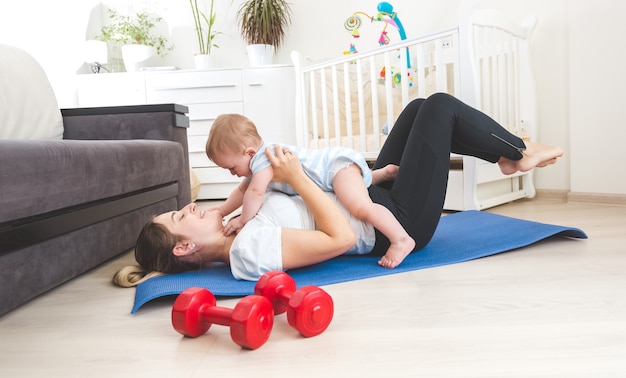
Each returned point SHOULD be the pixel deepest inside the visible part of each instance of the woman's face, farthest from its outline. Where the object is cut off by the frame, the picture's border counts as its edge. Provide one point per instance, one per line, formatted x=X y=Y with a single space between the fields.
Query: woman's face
x=190 y=222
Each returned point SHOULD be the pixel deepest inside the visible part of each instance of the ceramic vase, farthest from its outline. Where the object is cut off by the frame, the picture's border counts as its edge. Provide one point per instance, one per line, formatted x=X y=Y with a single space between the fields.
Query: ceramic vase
x=204 y=61
x=260 y=55
x=137 y=56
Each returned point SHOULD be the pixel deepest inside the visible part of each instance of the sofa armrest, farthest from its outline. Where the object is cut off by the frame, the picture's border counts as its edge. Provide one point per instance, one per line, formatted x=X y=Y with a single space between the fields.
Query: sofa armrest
x=163 y=121
x=156 y=122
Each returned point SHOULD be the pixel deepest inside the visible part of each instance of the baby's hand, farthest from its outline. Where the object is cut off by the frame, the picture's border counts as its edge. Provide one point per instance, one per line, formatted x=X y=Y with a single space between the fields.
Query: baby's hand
x=233 y=225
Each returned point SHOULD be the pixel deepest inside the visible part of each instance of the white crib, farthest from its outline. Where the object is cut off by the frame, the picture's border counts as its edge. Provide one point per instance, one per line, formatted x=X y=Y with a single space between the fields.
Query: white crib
x=352 y=101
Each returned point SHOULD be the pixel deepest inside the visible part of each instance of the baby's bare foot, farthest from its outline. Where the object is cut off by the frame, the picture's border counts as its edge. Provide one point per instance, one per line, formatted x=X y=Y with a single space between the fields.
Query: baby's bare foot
x=386 y=173
x=391 y=171
x=397 y=252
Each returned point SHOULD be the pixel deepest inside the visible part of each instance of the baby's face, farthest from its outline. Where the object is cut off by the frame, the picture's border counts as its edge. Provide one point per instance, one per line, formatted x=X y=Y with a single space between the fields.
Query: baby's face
x=237 y=163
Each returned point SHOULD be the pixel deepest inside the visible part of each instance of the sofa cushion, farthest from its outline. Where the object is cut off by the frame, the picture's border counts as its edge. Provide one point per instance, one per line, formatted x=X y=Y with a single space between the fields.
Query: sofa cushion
x=42 y=176
x=28 y=106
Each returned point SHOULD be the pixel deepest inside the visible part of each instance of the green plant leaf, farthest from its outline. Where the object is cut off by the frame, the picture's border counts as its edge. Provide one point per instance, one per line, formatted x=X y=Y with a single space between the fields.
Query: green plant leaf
x=204 y=27
x=264 y=21
x=135 y=29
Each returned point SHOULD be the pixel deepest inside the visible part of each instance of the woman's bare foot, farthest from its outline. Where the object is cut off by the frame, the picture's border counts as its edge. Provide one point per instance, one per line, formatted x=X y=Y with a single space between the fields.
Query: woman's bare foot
x=386 y=173
x=397 y=252
x=507 y=166
x=535 y=155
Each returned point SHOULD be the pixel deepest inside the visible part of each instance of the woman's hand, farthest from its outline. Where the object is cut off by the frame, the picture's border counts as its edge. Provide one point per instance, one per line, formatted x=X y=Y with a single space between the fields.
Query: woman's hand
x=333 y=234
x=285 y=164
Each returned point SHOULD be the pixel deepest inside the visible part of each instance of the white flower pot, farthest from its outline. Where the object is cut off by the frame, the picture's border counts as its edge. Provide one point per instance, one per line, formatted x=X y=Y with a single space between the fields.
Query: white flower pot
x=260 y=55
x=137 y=56
x=204 y=61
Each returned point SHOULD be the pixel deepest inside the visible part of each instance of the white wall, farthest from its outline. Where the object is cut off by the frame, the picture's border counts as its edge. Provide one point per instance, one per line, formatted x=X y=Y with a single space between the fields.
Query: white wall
x=573 y=45
x=597 y=112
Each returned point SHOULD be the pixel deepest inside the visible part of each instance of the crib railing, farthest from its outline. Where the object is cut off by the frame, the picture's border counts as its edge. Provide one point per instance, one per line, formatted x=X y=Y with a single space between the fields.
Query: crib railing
x=495 y=64
x=354 y=100
x=497 y=58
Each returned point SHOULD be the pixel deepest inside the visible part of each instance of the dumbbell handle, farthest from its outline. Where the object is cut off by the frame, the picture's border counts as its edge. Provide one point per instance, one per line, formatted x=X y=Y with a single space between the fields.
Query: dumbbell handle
x=281 y=298
x=283 y=294
x=216 y=315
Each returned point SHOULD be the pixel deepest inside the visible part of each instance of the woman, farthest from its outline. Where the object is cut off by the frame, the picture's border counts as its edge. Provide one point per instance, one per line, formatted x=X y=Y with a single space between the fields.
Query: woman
x=290 y=232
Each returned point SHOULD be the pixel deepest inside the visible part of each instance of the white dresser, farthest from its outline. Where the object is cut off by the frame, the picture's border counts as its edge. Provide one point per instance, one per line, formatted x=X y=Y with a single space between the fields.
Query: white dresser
x=263 y=94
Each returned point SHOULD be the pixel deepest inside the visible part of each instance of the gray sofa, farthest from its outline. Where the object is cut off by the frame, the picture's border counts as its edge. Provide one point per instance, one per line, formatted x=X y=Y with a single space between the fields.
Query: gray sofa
x=68 y=204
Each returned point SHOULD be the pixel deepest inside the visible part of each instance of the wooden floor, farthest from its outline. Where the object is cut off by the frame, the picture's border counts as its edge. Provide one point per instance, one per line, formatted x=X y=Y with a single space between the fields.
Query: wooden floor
x=554 y=309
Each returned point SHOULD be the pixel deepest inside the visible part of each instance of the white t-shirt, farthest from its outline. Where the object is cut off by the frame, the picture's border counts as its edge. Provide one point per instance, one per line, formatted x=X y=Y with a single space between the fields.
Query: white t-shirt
x=257 y=247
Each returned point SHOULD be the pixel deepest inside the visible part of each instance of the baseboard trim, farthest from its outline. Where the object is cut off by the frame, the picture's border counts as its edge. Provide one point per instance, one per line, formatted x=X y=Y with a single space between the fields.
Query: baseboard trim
x=552 y=194
x=597 y=198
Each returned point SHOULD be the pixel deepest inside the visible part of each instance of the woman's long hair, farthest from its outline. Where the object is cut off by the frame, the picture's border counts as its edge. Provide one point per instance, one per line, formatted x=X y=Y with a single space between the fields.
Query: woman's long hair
x=153 y=252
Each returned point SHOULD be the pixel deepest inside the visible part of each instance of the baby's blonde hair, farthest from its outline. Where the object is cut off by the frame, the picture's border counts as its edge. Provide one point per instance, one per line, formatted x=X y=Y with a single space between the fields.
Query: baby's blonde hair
x=231 y=133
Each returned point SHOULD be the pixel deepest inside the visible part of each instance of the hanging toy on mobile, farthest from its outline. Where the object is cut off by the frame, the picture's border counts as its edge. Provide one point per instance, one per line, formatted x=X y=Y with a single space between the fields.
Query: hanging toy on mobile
x=396 y=76
x=352 y=24
x=387 y=16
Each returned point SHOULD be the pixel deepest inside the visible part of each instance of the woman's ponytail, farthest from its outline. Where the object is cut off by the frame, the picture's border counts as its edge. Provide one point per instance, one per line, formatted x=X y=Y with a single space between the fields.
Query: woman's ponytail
x=133 y=275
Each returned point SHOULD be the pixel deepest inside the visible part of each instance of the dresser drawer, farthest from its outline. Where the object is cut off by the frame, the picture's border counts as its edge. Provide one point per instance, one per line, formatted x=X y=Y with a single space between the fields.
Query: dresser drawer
x=194 y=87
x=197 y=152
x=216 y=191
x=216 y=175
x=201 y=116
x=198 y=159
x=217 y=183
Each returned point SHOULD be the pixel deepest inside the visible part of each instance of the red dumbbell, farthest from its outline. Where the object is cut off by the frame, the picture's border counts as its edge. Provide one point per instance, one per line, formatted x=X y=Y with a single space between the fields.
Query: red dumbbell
x=250 y=322
x=309 y=309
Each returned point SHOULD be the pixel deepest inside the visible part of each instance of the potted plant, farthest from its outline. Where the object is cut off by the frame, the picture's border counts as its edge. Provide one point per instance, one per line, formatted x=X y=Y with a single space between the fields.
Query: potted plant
x=135 y=35
x=205 y=33
x=263 y=25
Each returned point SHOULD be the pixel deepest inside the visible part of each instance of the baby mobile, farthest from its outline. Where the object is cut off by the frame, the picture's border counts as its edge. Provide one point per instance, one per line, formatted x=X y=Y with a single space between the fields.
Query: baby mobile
x=388 y=17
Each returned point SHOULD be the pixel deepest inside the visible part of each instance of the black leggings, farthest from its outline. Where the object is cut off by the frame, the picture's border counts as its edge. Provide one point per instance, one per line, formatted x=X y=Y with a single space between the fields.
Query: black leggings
x=420 y=142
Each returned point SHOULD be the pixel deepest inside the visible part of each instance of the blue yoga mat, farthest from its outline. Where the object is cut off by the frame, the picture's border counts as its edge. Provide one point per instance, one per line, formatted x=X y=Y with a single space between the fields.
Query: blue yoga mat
x=459 y=237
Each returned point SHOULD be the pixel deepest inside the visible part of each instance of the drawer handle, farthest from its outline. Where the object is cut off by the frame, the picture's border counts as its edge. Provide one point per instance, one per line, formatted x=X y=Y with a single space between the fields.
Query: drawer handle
x=255 y=84
x=194 y=87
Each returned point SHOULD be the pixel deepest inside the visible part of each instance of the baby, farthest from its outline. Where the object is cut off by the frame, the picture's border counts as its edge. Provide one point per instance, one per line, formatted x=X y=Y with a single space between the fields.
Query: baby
x=235 y=144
